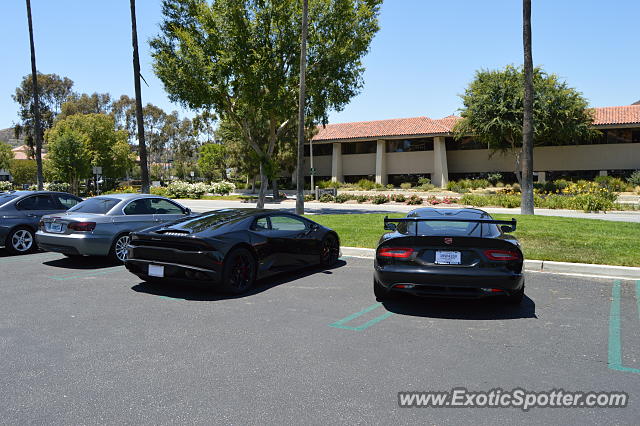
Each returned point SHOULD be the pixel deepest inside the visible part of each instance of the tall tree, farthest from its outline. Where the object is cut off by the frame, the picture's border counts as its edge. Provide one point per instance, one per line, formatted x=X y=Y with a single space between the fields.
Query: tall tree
x=96 y=103
x=526 y=206
x=301 y=103
x=36 y=105
x=493 y=106
x=142 y=147
x=6 y=156
x=239 y=58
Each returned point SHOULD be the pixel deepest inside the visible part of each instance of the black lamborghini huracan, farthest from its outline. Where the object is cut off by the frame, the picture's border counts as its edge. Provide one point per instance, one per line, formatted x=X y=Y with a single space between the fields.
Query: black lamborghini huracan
x=231 y=248
x=449 y=253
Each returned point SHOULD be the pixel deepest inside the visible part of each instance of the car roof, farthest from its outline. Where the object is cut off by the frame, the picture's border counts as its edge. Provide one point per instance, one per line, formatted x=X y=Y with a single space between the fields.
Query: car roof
x=129 y=196
x=464 y=213
x=25 y=193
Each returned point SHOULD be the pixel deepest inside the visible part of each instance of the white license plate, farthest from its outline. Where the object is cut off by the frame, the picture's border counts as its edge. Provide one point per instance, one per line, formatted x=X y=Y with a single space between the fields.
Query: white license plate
x=156 y=271
x=448 y=257
x=53 y=227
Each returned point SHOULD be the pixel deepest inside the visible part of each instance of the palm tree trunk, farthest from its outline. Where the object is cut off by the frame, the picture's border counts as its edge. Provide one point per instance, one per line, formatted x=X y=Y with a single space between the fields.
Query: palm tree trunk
x=142 y=147
x=36 y=103
x=526 y=206
x=301 y=104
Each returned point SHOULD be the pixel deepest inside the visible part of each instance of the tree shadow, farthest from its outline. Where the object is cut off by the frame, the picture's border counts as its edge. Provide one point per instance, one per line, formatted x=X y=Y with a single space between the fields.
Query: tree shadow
x=82 y=262
x=209 y=293
x=465 y=309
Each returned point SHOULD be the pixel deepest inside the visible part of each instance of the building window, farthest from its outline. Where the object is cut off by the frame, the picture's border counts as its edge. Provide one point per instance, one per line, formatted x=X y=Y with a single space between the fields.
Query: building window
x=410 y=145
x=464 y=144
x=319 y=149
x=366 y=147
x=614 y=136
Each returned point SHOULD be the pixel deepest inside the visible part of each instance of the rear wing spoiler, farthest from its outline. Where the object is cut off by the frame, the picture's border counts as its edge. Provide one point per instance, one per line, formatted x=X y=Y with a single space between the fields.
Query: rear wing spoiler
x=389 y=224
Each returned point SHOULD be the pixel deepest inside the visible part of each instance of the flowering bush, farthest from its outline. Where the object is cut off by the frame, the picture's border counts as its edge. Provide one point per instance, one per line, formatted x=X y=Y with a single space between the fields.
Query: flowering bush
x=179 y=189
x=414 y=200
x=6 y=185
x=222 y=188
x=380 y=199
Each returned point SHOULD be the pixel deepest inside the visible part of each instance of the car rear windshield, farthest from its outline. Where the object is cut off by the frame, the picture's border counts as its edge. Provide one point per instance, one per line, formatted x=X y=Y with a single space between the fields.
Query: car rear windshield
x=97 y=205
x=446 y=228
x=5 y=198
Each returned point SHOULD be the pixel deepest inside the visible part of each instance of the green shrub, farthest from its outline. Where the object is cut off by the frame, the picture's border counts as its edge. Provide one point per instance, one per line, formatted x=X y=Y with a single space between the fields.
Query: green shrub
x=399 y=198
x=613 y=184
x=380 y=199
x=405 y=185
x=426 y=187
x=494 y=178
x=309 y=197
x=341 y=198
x=160 y=190
x=414 y=200
x=390 y=186
x=424 y=181
x=634 y=179
x=362 y=198
x=591 y=203
x=326 y=198
x=365 y=184
x=479 y=183
x=324 y=184
x=6 y=185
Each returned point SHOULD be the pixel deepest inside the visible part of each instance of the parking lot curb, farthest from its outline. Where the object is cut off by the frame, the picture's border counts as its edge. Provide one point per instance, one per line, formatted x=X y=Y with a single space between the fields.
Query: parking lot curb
x=608 y=271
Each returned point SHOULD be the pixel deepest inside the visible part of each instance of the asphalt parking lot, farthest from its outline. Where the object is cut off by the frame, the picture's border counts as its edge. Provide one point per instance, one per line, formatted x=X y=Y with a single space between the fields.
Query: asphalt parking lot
x=85 y=342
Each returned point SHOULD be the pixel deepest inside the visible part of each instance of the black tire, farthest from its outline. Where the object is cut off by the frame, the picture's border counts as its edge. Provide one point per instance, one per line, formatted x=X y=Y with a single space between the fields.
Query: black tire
x=330 y=251
x=516 y=298
x=116 y=253
x=21 y=240
x=380 y=292
x=238 y=271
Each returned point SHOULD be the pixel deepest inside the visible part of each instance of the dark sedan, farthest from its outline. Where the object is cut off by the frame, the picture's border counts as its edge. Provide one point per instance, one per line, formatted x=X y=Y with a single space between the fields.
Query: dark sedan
x=231 y=248
x=449 y=253
x=20 y=212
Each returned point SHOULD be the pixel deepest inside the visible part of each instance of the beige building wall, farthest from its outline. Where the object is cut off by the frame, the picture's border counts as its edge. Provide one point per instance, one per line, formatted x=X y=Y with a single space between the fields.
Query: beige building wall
x=321 y=163
x=549 y=158
x=359 y=164
x=409 y=162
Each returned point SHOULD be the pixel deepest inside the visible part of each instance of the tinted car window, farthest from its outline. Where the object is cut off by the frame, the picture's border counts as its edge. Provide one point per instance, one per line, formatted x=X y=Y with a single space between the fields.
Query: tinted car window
x=161 y=206
x=97 y=205
x=287 y=223
x=261 y=224
x=67 y=201
x=461 y=229
x=37 y=202
x=142 y=206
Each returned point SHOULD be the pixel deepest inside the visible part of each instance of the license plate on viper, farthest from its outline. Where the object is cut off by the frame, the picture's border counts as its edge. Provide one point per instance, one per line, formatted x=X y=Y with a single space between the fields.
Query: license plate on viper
x=53 y=227
x=448 y=257
x=156 y=271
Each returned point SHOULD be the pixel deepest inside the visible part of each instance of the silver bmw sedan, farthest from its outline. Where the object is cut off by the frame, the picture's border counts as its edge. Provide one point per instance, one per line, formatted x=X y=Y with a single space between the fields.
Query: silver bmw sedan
x=100 y=226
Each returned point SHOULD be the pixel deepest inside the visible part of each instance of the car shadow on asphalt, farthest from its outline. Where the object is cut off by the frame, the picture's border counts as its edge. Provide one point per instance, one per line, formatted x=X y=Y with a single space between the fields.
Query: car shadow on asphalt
x=82 y=262
x=201 y=293
x=480 y=309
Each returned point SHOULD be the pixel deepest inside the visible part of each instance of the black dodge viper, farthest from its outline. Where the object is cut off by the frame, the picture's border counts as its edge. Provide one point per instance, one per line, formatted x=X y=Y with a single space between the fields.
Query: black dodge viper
x=231 y=248
x=449 y=253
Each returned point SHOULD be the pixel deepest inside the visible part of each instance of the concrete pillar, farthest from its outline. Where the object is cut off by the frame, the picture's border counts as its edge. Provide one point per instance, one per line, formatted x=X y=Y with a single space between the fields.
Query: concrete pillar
x=381 y=162
x=542 y=177
x=336 y=163
x=603 y=173
x=440 y=175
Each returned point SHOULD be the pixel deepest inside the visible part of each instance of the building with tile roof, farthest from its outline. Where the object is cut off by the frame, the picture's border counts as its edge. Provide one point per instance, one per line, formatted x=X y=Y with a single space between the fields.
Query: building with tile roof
x=404 y=149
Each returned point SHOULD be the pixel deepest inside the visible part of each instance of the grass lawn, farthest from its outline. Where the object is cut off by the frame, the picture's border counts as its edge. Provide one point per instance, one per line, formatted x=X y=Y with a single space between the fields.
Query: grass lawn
x=543 y=237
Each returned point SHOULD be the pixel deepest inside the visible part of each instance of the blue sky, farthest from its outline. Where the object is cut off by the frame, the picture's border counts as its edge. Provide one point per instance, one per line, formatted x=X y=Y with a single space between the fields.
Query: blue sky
x=423 y=57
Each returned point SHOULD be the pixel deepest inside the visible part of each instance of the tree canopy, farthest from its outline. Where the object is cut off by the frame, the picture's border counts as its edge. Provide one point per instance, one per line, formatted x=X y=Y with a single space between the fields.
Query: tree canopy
x=493 y=110
x=6 y=155
x=239 y=59
x=81 y=141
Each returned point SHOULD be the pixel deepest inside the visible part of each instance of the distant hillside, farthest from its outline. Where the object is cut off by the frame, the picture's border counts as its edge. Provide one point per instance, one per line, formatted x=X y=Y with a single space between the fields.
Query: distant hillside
x=8 y=135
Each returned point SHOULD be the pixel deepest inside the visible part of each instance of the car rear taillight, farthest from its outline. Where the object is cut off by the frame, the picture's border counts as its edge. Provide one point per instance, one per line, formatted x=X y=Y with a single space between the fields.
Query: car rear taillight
x=398 y=252
x=502 y=255
x=82 y=226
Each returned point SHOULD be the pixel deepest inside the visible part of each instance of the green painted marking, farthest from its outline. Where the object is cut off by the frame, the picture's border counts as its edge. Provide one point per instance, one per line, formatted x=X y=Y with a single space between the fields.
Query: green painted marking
x=615 y=341
x=91 y=273
x=341 y=323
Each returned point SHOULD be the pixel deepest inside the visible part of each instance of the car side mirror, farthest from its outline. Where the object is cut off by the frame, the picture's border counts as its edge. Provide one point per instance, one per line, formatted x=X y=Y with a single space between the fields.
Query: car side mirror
x=187 y=211
x=390 y=226
x=506 y=228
